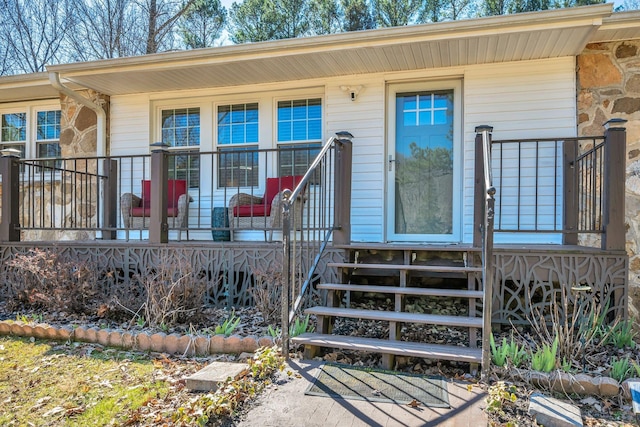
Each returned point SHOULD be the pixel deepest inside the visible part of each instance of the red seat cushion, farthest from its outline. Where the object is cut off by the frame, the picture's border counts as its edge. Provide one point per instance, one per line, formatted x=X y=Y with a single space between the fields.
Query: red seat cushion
x=175 y=189
x=274 y=186
x=252 y=210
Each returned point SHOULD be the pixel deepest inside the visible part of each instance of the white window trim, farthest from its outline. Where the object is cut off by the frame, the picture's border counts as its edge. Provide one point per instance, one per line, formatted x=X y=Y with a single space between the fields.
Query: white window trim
x=294 y=97
x=31 y=109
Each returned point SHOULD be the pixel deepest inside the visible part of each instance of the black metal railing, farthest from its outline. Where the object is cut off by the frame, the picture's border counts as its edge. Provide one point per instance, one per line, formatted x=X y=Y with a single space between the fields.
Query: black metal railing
x=549 y=185
x=327 y=217
x=110 y=197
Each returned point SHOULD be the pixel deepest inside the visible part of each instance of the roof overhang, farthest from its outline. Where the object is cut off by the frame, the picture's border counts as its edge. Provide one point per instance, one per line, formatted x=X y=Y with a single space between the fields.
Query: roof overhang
x=476 y=41
x=526 y=36
x=26 y=87
x=619 y=26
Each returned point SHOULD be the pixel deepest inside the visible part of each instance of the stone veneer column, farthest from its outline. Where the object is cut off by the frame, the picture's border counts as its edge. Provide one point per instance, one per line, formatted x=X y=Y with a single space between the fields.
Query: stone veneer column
x=78 y=125
x=609 y=87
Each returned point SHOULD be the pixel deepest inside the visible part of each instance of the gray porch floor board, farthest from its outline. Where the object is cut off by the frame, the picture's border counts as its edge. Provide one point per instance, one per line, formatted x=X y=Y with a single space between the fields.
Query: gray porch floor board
x=394 y=316
x=460 y=293
x=399 y=348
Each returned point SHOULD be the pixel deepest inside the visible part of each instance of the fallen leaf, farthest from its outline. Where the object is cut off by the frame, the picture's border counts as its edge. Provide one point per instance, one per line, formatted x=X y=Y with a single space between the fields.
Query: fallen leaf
x=413 y=404
x=377 y=393
x=470 y=387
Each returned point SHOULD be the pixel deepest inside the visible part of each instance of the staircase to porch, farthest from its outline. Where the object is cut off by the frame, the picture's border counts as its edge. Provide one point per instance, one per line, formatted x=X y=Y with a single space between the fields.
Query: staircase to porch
x=405 y=274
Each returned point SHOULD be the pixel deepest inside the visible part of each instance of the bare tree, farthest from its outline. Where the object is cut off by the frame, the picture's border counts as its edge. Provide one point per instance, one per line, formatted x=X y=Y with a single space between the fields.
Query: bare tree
x=105 y=29
x=34 y=31
x=161 y=17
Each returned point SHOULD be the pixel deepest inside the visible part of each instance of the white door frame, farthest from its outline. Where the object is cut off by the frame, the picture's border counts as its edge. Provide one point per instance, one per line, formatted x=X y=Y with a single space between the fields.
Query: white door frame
x=392 y=90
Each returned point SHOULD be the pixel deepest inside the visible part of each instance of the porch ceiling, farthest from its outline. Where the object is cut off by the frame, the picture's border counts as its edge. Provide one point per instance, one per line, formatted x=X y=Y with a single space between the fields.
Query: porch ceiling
x=485 y=40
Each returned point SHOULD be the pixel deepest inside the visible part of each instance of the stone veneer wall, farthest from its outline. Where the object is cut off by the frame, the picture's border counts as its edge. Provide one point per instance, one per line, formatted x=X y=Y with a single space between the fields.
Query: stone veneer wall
x=78 y=138
x=608 y=77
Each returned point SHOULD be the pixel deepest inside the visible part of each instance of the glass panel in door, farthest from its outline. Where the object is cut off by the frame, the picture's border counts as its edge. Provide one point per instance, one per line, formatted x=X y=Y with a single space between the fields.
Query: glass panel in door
x=423 y=174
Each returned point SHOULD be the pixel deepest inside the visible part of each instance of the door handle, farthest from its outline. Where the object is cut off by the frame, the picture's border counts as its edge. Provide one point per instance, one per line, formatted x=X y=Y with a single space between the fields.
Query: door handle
x=391 y=160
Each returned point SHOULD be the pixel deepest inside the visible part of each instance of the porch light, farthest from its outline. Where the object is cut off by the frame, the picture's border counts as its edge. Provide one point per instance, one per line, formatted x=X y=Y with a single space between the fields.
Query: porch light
x=352 y=90
x=10 y=152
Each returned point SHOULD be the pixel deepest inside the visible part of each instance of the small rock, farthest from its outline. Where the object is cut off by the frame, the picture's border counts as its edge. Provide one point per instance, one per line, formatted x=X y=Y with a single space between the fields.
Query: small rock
x=115 y=339
x=102 y=337
x=143 y=341
x=243 y=357
x=584 y=384
x=217 y=344
x=171 y=343
x=250 y=343
x=157 y=342
x=201 y=346
x=560 y=382
x=607 y=386
x=551 y=412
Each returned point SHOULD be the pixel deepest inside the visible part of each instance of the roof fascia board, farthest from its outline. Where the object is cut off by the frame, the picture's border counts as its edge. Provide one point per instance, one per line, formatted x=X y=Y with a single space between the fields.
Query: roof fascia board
x=570 y=17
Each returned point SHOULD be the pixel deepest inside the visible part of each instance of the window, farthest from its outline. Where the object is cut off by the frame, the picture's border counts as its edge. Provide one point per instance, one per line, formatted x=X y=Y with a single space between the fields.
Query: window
x=48 y=133
x=238 y=143
x=14 y=132
x=427 y=108
x=299 y=134
x=181 y=131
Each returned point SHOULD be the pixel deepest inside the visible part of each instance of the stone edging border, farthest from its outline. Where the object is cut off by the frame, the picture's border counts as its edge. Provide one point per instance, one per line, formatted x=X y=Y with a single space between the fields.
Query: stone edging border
x=187 y=345
x=581 y=384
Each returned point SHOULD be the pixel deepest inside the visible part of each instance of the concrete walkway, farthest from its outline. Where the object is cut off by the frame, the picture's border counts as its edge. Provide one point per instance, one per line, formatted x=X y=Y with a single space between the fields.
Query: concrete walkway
x=287 y=405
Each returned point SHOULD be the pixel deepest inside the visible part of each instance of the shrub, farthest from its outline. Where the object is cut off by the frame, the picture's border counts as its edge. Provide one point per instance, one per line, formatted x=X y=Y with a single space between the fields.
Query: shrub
x=174 y=292
x=51 y=280
x=266 y=293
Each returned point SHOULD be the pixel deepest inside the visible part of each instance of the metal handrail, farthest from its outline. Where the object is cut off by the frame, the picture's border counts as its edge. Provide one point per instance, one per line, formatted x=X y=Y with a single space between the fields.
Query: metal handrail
x=487 y=248
x=289 y=310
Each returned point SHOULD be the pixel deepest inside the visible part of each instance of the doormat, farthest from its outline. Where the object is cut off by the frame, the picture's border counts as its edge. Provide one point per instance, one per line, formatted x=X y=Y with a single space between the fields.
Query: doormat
x=376 y=385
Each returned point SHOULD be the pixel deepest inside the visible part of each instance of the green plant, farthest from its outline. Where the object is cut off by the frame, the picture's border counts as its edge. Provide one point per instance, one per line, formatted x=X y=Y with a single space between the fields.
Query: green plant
x=300 y=326
x=622 y=335
x=566 y=365
x=140 y=321
x=508 y=351
x=620 y=369
x=544 y=359
x=500 y=394
x=498 y=354
x=228 y=326
x=274 y=332
x=33 y=318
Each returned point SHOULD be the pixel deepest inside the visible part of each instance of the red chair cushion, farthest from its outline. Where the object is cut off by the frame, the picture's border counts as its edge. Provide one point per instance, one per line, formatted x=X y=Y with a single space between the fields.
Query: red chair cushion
x=252 y=210
x=175 y=189
x=275 y=185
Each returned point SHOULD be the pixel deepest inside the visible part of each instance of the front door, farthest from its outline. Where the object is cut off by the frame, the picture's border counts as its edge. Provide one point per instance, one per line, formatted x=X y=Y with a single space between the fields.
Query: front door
x=423 y=162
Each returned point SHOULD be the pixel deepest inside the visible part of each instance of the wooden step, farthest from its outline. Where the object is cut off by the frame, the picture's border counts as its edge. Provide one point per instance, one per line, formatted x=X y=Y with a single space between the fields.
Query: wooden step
x=398 y=348
x=416 y=247
x=395 y=316
x=407 y=267
x=460 y=293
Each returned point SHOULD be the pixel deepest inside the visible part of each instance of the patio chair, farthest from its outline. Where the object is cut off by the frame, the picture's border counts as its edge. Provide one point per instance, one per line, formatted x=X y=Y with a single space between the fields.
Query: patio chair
x=136 y=210
x=248 y=212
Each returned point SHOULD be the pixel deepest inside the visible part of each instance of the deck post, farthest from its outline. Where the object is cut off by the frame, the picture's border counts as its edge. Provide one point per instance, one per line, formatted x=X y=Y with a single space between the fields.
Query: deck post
x=344 y=151
x=158 y=225
x=613 y=190
x=479 y=193
x=110 y=199
x=570 y=195
x=10 y=171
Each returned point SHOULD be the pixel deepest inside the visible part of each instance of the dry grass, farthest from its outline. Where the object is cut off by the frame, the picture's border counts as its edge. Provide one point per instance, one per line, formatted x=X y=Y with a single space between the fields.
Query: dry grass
x=53 y=384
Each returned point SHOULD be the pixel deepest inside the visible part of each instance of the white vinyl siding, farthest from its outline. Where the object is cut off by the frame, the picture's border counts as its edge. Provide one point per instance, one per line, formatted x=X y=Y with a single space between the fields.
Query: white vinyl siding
x=532 y=99
x=364 y=119
x=520 y=100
